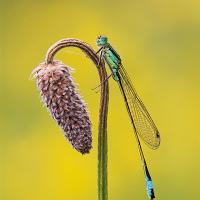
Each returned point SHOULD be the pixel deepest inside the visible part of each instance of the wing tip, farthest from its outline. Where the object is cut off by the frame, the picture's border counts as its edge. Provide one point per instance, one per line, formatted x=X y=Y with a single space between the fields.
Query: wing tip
x=158 y=139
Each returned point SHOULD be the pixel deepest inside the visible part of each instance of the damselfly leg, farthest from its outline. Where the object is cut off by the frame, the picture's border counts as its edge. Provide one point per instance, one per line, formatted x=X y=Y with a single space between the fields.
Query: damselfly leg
x=102 y=82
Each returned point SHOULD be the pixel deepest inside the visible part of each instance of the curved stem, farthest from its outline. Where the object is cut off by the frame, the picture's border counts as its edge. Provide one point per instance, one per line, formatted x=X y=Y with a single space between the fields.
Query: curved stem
x=103 y=110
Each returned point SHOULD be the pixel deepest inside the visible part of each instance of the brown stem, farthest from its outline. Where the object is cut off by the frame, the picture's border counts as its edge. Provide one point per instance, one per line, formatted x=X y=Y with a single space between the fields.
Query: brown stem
x=103 y=110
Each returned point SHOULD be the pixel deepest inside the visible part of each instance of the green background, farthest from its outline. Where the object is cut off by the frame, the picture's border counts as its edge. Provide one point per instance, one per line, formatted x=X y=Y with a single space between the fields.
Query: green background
x=160 y=46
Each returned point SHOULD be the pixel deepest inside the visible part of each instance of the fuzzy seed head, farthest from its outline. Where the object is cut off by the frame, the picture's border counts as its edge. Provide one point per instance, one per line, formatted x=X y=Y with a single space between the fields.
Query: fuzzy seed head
x=58 y=92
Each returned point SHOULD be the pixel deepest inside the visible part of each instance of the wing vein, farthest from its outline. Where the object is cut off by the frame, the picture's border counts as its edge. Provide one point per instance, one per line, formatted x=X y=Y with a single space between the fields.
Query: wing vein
x=143 y=122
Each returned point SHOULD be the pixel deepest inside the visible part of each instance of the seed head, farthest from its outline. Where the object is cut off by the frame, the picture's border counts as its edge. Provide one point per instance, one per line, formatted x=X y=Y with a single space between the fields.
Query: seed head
x=58 y=92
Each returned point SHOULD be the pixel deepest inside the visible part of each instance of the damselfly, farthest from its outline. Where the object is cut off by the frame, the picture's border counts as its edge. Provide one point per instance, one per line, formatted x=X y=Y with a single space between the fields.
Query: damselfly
x=141 y=120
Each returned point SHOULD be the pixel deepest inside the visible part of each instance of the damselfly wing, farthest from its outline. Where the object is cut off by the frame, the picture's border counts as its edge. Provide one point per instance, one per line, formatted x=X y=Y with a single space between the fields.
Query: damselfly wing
x=143 y=123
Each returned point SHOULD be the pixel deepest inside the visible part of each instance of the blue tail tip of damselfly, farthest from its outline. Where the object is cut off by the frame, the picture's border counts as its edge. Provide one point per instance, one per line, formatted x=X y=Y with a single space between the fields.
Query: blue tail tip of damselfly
x=150 y=190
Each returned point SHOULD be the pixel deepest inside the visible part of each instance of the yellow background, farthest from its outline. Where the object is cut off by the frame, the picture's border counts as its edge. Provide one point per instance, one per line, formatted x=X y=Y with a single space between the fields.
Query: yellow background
x=159 y=42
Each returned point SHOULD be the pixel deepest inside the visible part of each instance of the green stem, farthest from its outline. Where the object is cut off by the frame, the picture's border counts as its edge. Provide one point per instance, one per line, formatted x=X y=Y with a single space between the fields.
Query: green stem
x=103 y=110
x=102 y=164
x=102 y=143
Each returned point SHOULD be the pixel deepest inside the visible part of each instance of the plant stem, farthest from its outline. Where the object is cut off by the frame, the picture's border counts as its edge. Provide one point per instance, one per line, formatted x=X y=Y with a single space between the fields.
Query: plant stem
x=103 y=110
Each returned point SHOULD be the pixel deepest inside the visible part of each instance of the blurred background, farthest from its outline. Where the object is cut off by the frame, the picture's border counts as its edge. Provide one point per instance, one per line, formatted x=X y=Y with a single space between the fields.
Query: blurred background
x=160 y=46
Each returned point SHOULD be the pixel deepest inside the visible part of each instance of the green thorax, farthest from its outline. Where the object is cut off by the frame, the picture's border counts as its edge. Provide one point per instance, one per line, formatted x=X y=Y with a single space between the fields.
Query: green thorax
x=112 y=59
x=110 y=55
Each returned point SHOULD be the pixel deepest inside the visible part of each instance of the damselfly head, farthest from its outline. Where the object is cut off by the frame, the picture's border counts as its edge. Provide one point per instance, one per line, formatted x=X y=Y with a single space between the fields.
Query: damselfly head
x=102 y=40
